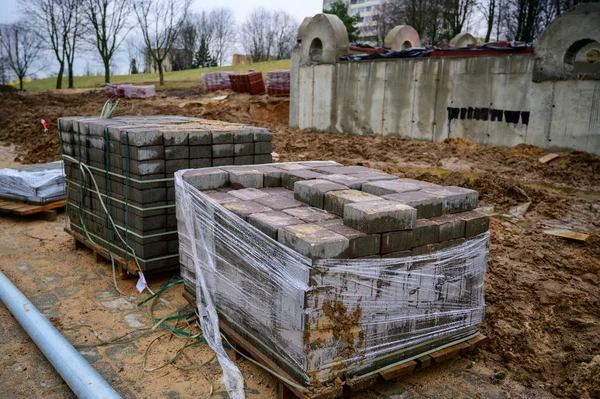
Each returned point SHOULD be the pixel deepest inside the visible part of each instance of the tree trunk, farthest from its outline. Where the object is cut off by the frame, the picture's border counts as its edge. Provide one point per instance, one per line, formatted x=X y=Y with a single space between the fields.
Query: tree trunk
x=59 y=77
x=491 y=11
x=106 y=71
x=21 y=82
x=161 y=73
x=71 y=75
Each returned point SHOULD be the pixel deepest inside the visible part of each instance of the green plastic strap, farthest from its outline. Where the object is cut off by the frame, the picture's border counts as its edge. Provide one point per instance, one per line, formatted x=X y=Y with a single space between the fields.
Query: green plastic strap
x=166 y=179
x=127 y=193
x=80 y=172
x=107 y=202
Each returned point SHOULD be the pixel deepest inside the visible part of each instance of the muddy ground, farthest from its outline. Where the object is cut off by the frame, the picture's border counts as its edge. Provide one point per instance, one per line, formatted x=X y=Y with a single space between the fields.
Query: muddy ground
x=543 y=300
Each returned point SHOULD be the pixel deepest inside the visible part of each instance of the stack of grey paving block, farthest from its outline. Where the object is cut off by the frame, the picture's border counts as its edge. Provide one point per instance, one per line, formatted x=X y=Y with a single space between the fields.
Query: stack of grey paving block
x=142 y=153
x=299 y=248
x=34 y=184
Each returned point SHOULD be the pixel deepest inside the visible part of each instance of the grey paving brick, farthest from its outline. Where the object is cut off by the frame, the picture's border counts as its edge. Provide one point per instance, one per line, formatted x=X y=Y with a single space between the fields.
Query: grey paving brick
x=143 y=167
x=425 y=232
x=175 y=137
x=263 y=147
x=455 y=199
x=141 y=137
x=222 y=150
x=475 y=223
x=134 y=320
x=270 y=222
x=399 y=254
x=177 y=152
x=373 y=176
x=45 y=301
x=243 y=149
x=389 y=187
x=243 y=136
x=243 y=160
x=360 y=245
x=272 y=175
x=451 y=227
x=262 y=159
x=379 y=216
x=172 y=166
x=261 y=134
x=427 y=205
x=279 y=202
x=245 y=208
x=200 y=138
x=222 y=137
x=117 y=304
x=310 y=215
x=222 y=161
x=313 y=191
x=201 y=163
x=334 y=201
x=348 y=181
x=200 y=151
x=222 y=198
x=240 y=178
x=397 y=241
x=313 y=241
x=291 y=166
x=278 y=191
x=290 y=177
x=248 y=194
x=207 y=179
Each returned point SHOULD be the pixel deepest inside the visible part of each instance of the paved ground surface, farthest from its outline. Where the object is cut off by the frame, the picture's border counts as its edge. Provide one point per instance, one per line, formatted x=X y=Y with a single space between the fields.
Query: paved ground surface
x=71 y=288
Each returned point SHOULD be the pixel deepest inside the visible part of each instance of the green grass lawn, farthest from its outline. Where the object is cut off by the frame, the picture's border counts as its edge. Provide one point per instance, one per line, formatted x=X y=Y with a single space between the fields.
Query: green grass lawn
x=190 y=77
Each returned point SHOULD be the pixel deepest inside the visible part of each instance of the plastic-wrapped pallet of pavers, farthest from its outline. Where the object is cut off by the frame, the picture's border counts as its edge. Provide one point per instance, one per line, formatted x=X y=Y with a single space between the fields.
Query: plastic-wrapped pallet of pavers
x=332 y=272
x=215 y=81
x=278 y=83
x=34 y=184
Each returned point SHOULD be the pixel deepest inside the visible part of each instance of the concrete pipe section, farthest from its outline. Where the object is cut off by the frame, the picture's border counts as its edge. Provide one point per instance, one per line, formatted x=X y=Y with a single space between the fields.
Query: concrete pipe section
x=402 y=37
x=83 y=380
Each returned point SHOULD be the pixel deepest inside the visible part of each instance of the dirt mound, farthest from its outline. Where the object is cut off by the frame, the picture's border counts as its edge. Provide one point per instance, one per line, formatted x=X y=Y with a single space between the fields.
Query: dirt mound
x=527 y=150
x=460 y=144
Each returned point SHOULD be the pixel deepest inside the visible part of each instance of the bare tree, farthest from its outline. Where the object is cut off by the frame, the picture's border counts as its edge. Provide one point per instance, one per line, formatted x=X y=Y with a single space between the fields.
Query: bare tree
x=76 y=33
x=21 y=46
x=488 y=11
x=255 y=34
x=284 y=30
x=456 y=15
x=224 y=33
x=108 y=20
x=160 y=22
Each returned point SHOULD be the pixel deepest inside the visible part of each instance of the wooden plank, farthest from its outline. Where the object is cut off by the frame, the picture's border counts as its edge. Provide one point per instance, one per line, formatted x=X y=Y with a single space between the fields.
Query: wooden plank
x=399 y=370
x=446 y=354
x=478 y=341
x=424 y=361
x=548 y=157
x=49 y=215
x=39 y=208
x=10 y=208
x=359 y=384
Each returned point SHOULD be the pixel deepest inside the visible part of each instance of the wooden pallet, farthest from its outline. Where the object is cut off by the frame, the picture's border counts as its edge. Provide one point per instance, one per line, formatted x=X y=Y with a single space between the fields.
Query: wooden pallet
x=46 y=211
x=126 y=269
x=356 y=384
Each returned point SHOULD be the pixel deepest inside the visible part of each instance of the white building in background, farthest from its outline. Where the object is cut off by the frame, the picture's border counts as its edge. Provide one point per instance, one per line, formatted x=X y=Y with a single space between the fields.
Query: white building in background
x=368 y=10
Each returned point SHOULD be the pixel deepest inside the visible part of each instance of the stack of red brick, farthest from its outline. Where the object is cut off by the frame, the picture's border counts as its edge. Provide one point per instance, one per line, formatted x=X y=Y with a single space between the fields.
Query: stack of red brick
x=214 y=81
x=248 y=82
x=278 y=83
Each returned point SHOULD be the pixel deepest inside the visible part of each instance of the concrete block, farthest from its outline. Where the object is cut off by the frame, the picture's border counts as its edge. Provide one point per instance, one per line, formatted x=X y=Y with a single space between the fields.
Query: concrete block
x=245 y=208
x=221 y=198
x=359 y=244
x=200 y=151
x=389 y=187
x=222 y=137
x=455 y=199
x=335 y=201
x=243 y=160
x=261 y=134
x=243 y=136
x=344 y=170
x=143 y=168
x=262 y=159
x=290 y=177
x=207 y=179
x=475 y=223
x=313 y=191
x=177 y=152
x=425 y=232
x=313 y=241
x=279 y=202
x=271 y=175
x=143 y=153
x=141 y=137
x=244 y=177
x=176 y=137
x=379 y=216
x=248 y=194
x=200 y=138
x=172 y=166
x=292 y=166
x=222 y=150
x=451 y=227
x=278 y=191
x=222 y=161
x=201 y=163
x=427 y=205
x=310 y=215
x=400 y=254
x=263 y=147
x=243 y=149
x=348 y=181
x=270 y=222
x=373 y=176
x=397 y=241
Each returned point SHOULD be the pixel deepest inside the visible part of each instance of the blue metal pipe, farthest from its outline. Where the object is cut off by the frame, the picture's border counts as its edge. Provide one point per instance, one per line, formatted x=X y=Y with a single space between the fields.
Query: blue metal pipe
x=84 y=381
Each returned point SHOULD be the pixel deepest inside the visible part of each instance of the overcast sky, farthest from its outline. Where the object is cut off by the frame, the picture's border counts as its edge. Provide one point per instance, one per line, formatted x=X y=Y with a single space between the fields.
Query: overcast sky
x=10 y=12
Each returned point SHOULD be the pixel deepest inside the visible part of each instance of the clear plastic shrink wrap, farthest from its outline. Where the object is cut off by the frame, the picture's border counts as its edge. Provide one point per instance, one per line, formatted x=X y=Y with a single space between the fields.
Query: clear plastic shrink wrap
x=327 y=318
x=35 y=184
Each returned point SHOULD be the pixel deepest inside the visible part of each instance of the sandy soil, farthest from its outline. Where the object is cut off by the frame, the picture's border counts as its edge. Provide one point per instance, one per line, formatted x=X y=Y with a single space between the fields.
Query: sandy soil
x=543 y=314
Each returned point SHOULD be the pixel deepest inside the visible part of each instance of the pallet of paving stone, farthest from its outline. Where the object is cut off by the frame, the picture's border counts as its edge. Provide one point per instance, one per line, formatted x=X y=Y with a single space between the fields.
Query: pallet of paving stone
x=123 y=167
x=215 y=81
x=278 y=83
x=333 y=271
x=46 y=212
x=250 y=82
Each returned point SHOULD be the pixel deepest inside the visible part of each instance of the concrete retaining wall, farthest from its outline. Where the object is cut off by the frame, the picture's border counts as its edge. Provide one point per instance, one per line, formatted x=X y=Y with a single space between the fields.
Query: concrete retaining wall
x=491 y=100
